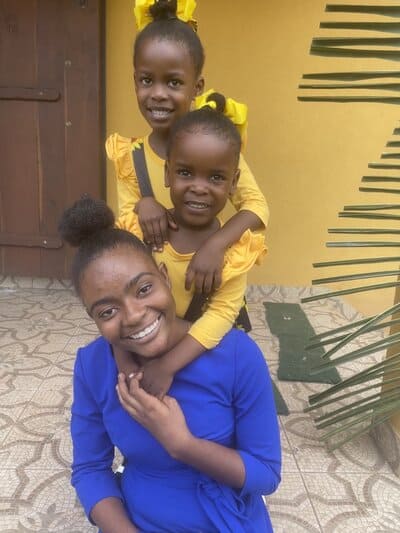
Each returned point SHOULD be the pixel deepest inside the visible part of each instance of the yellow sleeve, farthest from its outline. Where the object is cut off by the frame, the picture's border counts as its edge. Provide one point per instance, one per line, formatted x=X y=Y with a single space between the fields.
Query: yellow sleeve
x=130 y=222
x=119 y=151
x=224 y=305
x=248 y=195
x=221 y=312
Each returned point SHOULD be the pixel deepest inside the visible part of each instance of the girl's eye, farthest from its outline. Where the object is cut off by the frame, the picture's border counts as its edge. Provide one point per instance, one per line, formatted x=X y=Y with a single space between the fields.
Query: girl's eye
x=184 y=172
x=145 y=81
x=217 y=178
x=107 y=313
x=175 y=83
x=144 y=289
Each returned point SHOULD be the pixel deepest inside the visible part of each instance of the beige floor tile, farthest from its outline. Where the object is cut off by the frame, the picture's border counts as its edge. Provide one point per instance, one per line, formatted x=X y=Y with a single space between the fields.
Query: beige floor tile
x=311 y=454
x=354 y=502
x=290 y=508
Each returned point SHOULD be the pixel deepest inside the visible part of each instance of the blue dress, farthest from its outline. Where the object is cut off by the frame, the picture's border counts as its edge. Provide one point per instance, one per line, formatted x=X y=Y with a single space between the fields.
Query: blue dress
x=226 y=396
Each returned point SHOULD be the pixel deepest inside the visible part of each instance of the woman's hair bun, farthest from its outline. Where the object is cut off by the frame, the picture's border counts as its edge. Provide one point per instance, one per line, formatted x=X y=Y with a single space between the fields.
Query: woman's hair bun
x=84 y=219
x=219 y=99
x=163 y=9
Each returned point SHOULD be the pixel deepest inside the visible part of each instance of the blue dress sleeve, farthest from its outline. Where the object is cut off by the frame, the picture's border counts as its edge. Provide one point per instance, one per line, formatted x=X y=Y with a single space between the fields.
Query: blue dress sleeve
x=257 y=429
x=93 y=451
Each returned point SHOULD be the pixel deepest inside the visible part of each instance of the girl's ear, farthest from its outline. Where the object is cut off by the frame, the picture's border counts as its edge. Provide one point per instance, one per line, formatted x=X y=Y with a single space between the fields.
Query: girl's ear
x=166 y=174
x=199 y=88
x=162 y=267
x=235 y=181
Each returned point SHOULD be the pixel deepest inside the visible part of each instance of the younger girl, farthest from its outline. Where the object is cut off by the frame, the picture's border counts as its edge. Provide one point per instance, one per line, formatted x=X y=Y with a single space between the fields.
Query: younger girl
x=168 y=61
x=201 y=172
x=200 y=459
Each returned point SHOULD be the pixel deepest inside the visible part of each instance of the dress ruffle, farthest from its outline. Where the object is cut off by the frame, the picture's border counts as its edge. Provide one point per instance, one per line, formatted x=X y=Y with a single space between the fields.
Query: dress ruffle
x=241 y=256
x=130 y=222
x=119 y=150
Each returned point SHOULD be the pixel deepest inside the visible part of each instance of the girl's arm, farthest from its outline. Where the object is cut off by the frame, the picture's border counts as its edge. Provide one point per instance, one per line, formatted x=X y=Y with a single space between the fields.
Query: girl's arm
x=222 y=310
x=252 y=213
x=110 y=516
x=93 y=453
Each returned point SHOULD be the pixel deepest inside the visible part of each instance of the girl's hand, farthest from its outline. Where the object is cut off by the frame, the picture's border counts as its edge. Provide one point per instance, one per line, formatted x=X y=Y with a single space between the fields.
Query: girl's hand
x=164 y=419
x=154 y=221
x=205 y=268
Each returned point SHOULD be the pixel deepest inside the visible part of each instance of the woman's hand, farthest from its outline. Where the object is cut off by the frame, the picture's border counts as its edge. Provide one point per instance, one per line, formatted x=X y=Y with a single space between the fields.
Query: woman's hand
x=164 y=418
x=205 y=268
x=154 y=221
x=157 y=377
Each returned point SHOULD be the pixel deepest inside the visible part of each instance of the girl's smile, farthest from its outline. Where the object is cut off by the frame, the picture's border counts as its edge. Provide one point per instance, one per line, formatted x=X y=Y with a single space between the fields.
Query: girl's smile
x=130 y=300
x=165 y=82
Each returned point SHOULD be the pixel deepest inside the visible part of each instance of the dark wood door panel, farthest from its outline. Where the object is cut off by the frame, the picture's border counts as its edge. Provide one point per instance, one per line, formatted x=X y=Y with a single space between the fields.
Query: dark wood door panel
x=50 y=124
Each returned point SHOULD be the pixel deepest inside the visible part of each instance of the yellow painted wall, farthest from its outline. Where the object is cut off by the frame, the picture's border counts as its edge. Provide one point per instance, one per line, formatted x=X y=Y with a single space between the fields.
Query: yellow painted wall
x=308 y=158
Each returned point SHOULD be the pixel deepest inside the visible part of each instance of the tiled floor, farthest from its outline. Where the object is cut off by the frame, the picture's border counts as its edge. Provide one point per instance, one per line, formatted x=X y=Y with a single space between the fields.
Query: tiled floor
x=41 y=326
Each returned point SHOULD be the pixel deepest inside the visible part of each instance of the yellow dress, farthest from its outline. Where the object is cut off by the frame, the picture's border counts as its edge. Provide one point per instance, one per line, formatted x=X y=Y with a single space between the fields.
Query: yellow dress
x=224 y=305
x=247 y=196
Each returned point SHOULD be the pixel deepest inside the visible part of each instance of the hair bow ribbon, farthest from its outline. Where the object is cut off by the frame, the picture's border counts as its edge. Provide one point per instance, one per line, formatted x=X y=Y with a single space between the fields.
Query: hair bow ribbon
x=235 y=111
x=184 y=12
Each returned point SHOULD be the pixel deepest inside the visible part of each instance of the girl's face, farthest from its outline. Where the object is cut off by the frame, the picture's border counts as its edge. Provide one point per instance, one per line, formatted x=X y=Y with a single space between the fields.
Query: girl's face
x=165 y=82
x=202 y=172
x=129 y=299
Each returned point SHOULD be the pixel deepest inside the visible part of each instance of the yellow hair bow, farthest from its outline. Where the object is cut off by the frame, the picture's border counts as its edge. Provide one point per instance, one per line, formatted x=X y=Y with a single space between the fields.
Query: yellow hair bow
x=235 y=111
x=184 y=12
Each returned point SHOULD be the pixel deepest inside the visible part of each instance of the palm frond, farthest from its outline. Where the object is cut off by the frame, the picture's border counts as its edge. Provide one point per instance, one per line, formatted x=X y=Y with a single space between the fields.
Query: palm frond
x=357 y=261
x=390 y=11
x=350 y=291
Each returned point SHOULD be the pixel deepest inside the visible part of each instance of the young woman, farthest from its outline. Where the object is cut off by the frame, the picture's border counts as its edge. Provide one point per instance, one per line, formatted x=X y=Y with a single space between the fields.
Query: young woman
x=201 y=458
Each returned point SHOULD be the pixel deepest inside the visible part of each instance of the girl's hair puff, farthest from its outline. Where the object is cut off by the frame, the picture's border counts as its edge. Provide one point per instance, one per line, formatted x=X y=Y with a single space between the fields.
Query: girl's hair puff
x=89 y=225
x=208 y=119
x=165 y=26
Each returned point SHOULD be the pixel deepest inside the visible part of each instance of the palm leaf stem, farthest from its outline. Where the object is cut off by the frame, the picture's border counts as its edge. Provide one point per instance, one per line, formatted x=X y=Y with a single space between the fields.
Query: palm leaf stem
x=339 y=338
x=390 y=407
x=338 y=86
x=355 y=408
x=362 y=244
x=350 y=291
x=357 y=41
x=364 y=231
x=381 y=178
x=394 y=381
x=334 y=51
x=390 y=155
x=352 y=99
x=341 y=328
x=363 y=329
x=391 y=144
x=352 y=76
x=376 y=421
x=384 y=166
x=379 y=189
x=358 y=261
x=382 y=344
x=369 y=216
x=375 y=207
x=385 y=367
x=393 y=27
x=352 y=277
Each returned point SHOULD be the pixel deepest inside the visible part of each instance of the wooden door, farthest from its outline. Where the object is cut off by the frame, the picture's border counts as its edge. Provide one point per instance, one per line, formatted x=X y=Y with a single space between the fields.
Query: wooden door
x=50 y=126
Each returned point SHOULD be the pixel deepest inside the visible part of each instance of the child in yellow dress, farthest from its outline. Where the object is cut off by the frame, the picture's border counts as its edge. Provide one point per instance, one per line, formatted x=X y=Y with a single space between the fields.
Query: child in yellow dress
x=168 y=61
x=201 y=173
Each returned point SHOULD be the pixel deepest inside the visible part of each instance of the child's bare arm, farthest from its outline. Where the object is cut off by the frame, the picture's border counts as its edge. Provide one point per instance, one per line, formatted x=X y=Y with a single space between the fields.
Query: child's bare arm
x=159 y=373
x=205 y=268
x=155 y=221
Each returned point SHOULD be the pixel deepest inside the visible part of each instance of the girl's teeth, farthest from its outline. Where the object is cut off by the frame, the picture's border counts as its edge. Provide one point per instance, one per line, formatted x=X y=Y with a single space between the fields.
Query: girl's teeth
x=145 y=331
x=160 y=113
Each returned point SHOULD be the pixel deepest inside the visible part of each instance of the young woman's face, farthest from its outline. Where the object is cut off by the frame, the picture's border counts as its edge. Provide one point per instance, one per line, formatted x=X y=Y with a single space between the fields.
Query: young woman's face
x=201 y=172
x=130 y=300
x=165 y=82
